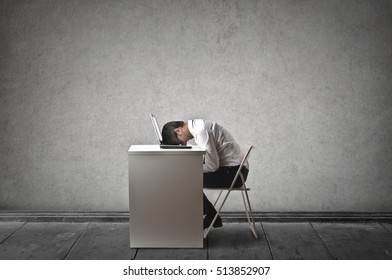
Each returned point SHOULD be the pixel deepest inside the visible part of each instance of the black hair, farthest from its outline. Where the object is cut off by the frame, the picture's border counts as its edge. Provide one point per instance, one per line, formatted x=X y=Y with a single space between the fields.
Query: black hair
x=168 y=133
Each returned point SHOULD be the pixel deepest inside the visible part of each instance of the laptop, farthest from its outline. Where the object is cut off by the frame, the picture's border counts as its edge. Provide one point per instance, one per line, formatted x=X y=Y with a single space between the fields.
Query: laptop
x=159 y=136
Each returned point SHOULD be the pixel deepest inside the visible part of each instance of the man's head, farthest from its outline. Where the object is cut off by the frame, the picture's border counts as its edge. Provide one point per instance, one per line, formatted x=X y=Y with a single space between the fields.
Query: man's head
x=176 y=133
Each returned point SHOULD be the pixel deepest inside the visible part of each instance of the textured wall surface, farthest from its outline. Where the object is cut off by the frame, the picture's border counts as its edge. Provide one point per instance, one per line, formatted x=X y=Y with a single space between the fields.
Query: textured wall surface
x=308 y=83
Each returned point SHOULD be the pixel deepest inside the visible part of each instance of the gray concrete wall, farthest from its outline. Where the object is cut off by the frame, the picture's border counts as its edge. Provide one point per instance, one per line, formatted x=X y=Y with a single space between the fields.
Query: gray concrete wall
x=308 y=83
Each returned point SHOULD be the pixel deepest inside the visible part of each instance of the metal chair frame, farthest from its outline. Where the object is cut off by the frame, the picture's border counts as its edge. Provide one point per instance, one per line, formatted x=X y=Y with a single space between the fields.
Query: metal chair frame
x=245 y=197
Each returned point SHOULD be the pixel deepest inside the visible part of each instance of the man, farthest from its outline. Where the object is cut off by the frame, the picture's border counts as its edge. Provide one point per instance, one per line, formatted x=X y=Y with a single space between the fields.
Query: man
x=222 y=158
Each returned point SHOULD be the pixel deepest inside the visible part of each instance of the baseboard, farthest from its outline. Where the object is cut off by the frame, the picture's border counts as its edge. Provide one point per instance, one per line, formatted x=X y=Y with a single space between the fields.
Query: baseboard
x=313 y=216
x=121 y=216
x=64 y=216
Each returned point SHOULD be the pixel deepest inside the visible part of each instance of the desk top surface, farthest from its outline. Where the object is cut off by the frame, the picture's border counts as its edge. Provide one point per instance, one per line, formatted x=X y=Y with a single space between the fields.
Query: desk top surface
x=137 y=149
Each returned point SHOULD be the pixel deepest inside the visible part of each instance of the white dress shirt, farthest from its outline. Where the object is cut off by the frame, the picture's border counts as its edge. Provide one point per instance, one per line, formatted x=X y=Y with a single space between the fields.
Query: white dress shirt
x=222 y=150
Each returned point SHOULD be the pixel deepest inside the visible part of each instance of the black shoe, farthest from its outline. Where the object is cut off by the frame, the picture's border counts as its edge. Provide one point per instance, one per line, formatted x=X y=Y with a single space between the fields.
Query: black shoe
x=207 y=221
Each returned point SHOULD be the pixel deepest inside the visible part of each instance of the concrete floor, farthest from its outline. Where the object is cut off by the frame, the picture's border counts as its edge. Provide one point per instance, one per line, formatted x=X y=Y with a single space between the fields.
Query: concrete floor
x=110 y=241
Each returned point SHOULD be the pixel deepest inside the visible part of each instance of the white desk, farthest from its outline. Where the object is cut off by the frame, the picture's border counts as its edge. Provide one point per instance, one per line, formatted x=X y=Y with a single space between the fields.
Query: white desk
x=165 y=197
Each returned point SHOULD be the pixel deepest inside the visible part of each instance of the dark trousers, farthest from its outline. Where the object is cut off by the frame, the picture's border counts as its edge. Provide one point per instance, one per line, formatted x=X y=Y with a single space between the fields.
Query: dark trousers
x=222 y=178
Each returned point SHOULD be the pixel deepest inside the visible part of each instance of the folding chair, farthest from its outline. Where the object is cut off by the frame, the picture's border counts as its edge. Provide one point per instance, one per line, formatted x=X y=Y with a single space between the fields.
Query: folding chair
x=244 y=191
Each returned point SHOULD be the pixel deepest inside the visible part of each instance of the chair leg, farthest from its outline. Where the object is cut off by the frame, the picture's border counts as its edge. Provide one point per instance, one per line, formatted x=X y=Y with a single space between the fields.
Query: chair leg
x=248 y=211
x=216 y=201
x=251 y=220
x=246 y=207
x=217 y=214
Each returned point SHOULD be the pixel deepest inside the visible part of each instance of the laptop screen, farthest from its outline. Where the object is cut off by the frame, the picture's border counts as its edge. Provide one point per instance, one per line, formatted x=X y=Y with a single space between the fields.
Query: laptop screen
x=156 y=127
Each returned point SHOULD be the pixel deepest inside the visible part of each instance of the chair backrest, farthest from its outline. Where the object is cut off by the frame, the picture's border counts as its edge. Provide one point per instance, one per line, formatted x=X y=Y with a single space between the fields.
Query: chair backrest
x=247 y=150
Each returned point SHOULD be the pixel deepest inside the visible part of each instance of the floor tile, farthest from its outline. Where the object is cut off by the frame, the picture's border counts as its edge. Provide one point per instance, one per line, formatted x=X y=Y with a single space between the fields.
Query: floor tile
x=41 y=241
x=356 y=241
x=236 y=241
x=172 y=254
x=103 y=241
x=388 y=227
x=295 y=241
x=8 y=228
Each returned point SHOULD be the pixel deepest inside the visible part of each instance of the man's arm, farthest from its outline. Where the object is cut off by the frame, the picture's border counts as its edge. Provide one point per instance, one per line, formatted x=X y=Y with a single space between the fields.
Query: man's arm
x=205 y=141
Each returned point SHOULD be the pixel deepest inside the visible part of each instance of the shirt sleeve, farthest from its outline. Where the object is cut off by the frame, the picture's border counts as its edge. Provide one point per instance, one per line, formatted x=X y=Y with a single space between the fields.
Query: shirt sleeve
x=205 y=141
